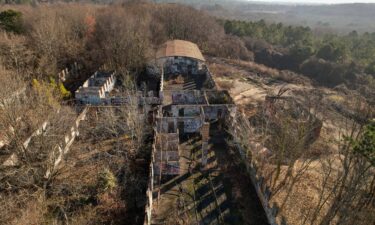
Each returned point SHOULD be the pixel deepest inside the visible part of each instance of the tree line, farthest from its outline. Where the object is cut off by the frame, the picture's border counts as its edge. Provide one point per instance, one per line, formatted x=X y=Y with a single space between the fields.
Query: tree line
x=359 y=48
x=341 y=57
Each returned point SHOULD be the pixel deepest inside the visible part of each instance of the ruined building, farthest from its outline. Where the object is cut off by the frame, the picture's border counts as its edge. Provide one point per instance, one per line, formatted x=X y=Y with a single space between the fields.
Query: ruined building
x=189 y=103
x=96 y=89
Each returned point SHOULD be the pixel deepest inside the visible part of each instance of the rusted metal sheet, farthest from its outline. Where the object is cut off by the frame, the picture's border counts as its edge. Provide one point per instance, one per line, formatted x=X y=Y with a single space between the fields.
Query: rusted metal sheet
x=179 y=48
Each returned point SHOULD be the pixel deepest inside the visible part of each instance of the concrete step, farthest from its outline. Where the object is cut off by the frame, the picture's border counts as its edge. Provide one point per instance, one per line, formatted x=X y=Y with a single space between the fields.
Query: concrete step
x=189 y=86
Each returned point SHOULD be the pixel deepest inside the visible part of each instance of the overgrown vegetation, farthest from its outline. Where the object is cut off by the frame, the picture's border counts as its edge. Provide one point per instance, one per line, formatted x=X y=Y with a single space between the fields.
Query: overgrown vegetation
x=329 y=59
x=37 y=42
x=11 y=21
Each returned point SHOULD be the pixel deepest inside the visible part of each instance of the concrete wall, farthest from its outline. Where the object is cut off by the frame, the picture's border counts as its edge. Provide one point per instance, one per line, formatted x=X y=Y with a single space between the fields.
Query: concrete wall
x=188 y=97
x=189 y=110
x=150 y=189
x=262 y=190
x=69 y=73
x=12 y=160
x=60 y=150
x=166 y=153
x=163 y=125
x=180 y=65
x=64 y=147
x=89 y=93
x=39 y=131
x=191 y=124
x=167 y=142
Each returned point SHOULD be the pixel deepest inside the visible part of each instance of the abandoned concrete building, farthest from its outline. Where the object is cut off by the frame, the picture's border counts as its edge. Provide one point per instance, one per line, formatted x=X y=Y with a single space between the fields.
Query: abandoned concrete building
x=183 y=67
x=96 y=89
x=189 y=102
x=190 y=112
x=180 y=56
x=188 y=138
x=189 y=106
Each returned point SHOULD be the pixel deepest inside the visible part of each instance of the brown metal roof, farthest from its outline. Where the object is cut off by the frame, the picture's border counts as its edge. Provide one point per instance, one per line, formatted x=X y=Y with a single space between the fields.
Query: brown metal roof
x=179 y=48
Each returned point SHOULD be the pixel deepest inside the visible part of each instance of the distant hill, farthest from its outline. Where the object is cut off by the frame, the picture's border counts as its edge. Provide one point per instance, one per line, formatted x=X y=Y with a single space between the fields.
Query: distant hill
x=342 y=18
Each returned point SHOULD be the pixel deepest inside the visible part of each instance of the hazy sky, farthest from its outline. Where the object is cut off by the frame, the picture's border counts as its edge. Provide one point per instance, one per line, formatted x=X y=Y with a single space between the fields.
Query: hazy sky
x=319 y=1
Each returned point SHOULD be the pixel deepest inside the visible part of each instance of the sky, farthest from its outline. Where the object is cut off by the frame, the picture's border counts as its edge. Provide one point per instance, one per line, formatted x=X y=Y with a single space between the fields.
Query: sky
x=320 y=1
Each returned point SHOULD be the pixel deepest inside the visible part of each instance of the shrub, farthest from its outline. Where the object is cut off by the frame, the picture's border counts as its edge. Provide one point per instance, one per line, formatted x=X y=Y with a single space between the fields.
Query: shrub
x=64 y=92
x=226 y=85
x=11 y=21
x=106 y=180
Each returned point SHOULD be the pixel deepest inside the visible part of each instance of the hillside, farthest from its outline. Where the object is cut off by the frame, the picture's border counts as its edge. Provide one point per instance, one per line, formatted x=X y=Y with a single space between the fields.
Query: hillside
x=151 y=113
x=341 y=18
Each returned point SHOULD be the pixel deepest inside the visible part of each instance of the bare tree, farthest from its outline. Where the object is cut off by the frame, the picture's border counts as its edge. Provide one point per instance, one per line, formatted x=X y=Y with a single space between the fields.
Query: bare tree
x=122 y=34
x=57 y=35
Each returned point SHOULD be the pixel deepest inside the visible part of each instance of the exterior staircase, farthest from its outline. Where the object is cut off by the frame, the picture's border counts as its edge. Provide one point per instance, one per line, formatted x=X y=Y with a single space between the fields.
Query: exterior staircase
x=189 y=84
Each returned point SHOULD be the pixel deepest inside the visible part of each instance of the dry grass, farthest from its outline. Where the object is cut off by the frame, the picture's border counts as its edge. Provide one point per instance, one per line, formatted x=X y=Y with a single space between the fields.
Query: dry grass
x=225 y=85
x=222 y=71
x=255 y=67
x=260 y=69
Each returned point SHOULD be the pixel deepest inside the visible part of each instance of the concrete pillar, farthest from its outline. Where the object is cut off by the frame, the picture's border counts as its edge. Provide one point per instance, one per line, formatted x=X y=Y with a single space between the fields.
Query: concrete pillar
x=75 y=69
x=67 y=72
x=204 y=153
x=205 y=132
x=63 y=75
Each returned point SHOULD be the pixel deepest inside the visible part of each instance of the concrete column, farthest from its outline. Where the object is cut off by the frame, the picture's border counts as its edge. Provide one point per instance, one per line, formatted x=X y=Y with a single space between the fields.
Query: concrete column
x=204 y=153
x=205 y=132
x=63 y=75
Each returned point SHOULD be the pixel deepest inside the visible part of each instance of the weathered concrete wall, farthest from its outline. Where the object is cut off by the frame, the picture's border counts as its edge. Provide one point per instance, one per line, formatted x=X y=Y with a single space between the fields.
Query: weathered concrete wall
x=69 y=73
x=39 y=131
x=186 y=110
x=12 y=159
x=64 y=147
x=191 y=124
x=180 y=65
x=95 y=89
x=60 y=150
x=166 y=154
x=166 y=125
x=262 y=190
x=16 y=96
x=213 y=112
x=167 y=168
x=150 y=189
x=167 y=142
x=185 y=97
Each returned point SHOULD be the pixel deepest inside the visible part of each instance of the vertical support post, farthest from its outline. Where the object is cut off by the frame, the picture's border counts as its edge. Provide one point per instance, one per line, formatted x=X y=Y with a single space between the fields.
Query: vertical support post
x=205 y=132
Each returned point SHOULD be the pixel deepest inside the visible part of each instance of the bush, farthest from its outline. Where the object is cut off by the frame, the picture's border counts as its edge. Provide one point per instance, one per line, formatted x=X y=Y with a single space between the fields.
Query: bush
x=11 y=21
x=325 y=73
x=64 y=92
x=106 y=180
x=226 y=85
x=230 y=47
x=370 y=69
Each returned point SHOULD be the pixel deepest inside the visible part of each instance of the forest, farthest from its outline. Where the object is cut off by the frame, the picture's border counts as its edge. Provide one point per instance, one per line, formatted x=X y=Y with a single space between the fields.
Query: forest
x=330 y=59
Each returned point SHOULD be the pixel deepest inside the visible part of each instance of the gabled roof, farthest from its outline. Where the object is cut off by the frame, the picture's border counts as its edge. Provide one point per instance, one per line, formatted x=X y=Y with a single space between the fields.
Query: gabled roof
x=179 y=48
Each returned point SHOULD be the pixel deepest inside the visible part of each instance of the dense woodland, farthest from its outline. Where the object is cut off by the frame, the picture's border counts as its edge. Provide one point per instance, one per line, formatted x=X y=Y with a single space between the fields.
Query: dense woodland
x=329 y=59
x=38 y=41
